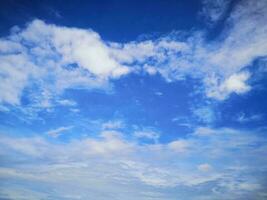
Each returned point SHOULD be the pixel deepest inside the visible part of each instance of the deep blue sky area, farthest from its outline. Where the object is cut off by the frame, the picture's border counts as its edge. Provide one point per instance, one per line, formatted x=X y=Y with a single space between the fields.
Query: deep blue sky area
x=114 y=20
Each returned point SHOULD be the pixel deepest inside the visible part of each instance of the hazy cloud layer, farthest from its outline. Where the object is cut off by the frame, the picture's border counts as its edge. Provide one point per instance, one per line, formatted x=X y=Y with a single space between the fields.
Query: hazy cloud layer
x=105 y=164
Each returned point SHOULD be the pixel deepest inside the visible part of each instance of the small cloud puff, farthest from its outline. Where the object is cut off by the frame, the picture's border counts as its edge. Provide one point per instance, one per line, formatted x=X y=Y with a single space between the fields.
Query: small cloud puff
x=110 y=125
x=205 y=167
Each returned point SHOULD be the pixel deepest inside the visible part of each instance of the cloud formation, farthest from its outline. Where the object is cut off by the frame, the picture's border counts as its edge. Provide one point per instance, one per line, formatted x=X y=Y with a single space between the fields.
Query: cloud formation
x=48 y=59
x=41 y=62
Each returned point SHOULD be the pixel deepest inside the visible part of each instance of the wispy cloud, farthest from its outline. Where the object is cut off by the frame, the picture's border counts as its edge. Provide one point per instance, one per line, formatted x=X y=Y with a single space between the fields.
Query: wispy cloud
x=67 y=102
x=242 y=118
x=214 y=10
x=58 y=131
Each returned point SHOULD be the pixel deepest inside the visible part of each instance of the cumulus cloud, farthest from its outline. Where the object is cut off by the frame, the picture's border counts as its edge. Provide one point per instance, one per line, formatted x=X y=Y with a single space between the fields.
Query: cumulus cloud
x=82 y=47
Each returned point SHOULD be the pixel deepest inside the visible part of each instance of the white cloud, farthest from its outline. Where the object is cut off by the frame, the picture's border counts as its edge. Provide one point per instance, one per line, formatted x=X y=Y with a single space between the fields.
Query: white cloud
x=14 y=70
x=236 y=83
x=67 y=102
x=48 y=58
x=86 y=48
x=59 y=131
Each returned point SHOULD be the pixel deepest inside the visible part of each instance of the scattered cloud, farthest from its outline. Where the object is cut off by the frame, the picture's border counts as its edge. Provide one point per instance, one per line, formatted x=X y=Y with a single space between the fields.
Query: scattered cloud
x=242 y=118
x=45 y=58
x=41 y=62
x=59 y=131
x=182 y=121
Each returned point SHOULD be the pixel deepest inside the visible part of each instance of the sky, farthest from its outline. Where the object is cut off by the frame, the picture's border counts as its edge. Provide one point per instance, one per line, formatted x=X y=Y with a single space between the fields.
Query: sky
x=148 y=100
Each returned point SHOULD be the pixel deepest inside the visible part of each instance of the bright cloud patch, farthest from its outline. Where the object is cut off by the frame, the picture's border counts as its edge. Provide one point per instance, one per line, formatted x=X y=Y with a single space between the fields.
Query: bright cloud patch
x=236 y=83
x=53 y=59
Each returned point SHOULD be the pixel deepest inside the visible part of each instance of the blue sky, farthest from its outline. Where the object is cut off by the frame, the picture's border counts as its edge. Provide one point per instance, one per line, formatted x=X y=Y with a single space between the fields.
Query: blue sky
x=146 y=100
